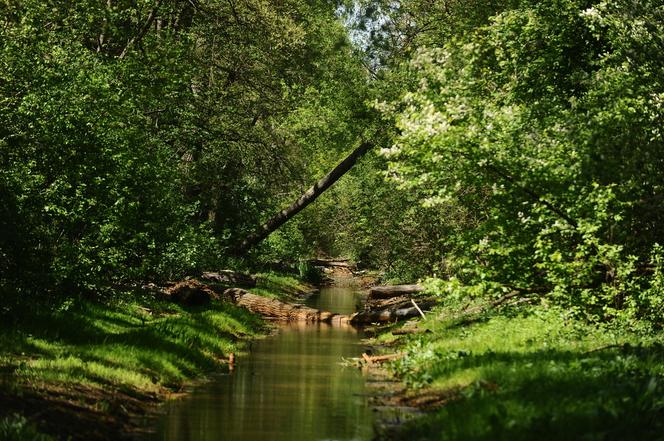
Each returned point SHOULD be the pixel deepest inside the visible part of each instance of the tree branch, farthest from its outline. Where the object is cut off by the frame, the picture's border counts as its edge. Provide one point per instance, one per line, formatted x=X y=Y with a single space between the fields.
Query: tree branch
x=144 y=30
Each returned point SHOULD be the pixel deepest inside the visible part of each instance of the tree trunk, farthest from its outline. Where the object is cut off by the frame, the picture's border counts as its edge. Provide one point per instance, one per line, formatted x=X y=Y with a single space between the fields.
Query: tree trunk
x=388 y=291
x=384 y=315
x=277 y=310
x=303 y=201
x=144 y=30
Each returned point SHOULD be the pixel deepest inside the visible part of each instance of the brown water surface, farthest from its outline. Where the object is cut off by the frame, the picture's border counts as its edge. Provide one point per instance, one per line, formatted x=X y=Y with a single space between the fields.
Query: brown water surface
x=291 y=387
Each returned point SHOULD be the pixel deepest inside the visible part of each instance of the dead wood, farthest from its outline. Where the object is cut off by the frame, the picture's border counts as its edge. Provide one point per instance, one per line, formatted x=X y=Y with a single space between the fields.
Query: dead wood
x=394 y=302
x=342 y=263
x=387 y=315
x=274 y=309
x=303 y=201
x=191 y=293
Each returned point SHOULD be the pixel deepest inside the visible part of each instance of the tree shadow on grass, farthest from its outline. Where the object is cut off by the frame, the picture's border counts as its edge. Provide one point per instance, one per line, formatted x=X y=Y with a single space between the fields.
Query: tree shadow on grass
x=169 y=349
x=612 y=394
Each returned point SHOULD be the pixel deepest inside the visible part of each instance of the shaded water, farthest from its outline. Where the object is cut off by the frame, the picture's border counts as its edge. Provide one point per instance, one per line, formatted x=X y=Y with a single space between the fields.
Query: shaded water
x=290 y=387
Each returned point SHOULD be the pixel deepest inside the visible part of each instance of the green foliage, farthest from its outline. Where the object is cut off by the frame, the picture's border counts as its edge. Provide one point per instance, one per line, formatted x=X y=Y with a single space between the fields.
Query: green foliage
x=309 y=273
x=141 y=139
x=283 y=287
x=545 y=125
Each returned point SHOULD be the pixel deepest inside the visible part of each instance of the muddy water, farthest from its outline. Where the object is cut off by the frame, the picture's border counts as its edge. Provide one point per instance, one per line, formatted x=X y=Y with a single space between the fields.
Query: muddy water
x=291 y=387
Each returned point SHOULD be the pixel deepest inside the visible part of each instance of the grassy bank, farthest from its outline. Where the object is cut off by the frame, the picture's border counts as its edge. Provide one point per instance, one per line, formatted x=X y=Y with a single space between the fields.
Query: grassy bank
x=91 y=370
x=533 y=374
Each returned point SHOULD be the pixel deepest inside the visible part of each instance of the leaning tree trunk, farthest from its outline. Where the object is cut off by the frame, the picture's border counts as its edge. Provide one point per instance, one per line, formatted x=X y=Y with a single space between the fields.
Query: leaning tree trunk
x=307 y=198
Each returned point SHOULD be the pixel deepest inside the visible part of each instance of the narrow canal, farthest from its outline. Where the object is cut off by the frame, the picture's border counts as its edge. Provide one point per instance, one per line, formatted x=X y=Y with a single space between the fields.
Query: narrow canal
x=290 y=387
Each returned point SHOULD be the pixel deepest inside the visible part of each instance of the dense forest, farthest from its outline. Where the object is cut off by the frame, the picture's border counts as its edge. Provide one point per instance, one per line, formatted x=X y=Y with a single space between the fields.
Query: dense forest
x=509 y=149
x=516 y=145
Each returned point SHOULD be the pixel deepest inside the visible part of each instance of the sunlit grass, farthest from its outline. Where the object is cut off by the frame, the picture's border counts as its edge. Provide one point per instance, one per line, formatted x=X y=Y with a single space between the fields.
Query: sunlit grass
x=145 y=346
x=537 y=375
x=279 y=286
x=138 y=343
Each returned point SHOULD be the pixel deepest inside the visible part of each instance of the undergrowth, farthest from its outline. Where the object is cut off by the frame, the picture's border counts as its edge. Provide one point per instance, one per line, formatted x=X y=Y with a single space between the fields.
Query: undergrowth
x=536 y=373
x=18 y=428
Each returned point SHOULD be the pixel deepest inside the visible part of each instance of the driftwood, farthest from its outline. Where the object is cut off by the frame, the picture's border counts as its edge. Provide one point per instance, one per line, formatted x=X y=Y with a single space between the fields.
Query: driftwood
x=228 y=277
x=277 y=310
x=384 y=315
x=386 y=292
x=394 y=302
x=417 y=307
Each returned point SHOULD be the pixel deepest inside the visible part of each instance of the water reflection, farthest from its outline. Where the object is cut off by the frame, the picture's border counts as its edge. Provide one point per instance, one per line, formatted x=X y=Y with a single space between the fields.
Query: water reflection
x=291 y=387
x=338 y=299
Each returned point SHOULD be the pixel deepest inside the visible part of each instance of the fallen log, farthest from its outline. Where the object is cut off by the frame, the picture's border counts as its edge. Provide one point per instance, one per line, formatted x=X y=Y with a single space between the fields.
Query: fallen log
x=303 y=201
x=190 y=293
x=229 y=277
x=417 y=307
x=387 y=315
x=274 y=309
x=387 y=291
x=397 y=302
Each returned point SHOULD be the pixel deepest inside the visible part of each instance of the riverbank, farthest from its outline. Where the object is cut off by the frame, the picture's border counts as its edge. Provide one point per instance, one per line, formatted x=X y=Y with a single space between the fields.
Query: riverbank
x=289 y=387
x=523 y=373
x=95 y=371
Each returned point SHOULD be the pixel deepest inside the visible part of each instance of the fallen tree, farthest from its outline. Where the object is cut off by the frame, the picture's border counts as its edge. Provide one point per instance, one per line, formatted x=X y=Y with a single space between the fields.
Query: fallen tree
x=192 y=292
x=277 y=310
x=392 y=314
x=303 y=201
x=341 y=263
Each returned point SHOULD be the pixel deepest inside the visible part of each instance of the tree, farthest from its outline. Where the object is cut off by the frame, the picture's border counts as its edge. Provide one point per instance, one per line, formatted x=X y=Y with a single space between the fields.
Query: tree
x=139 y=137
x=542 y=122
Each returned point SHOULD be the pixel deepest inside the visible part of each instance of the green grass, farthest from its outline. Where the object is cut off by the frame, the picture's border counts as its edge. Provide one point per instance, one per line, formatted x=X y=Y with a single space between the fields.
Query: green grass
x=537 y=375
x=139 y=343
x=144 y=346
x=281 y=287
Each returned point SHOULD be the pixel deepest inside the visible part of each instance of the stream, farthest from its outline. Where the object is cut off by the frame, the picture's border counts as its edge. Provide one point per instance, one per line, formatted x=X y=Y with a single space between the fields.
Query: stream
x=290 y=387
